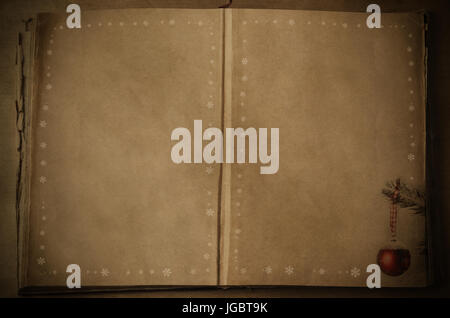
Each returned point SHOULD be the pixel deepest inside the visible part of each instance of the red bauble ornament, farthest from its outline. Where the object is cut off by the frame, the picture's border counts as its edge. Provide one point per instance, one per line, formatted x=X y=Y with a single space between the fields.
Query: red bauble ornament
x=394 y=261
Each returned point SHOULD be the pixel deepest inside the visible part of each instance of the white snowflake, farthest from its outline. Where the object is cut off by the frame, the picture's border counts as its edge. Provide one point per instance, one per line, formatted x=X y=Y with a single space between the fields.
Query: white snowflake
x=43 y=163
x=244 y=60
x=43 y=145
x=268 y=270
x=41 y=261
x=244 y=78
x=243 y=94
x=206 y=256
x=291 y=22
x=193 y=271
x=209 y=212
x=42 y=179
x=104 y=272
x=200 y=23
x=289 y=270
x=209 y=170
x=48 y=86
x=413 y=144
x=45 y=107
x=355 y=272
x=321 y=271
x=210 y=104
x=43 y=123
x=166 y=272
x=243 y=270
x=411 y=157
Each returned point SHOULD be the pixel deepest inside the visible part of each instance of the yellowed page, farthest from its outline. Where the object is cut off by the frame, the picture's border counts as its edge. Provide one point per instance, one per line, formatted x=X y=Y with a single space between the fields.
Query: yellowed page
x=105 y=193
x=349 y=103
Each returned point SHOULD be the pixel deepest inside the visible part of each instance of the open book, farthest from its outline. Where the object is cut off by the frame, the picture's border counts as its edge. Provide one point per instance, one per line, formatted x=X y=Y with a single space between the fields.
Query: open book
x=97 y=107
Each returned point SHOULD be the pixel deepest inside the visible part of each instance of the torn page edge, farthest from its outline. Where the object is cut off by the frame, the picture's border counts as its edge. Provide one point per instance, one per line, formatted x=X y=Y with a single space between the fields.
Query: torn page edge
x=24 y=57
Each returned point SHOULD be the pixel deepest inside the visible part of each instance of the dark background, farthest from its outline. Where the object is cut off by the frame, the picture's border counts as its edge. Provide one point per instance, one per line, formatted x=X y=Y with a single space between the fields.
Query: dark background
x=14 y=12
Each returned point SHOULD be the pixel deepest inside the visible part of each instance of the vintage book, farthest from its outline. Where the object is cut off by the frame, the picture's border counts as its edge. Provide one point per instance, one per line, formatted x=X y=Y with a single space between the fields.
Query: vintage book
x=97 y=107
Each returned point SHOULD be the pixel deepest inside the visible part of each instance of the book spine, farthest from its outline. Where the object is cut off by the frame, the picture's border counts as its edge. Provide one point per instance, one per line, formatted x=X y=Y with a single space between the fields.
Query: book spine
x=225 y=216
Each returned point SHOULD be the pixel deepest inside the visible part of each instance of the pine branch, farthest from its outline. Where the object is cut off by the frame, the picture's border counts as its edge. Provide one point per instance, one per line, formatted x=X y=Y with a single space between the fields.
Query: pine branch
x=413 y=199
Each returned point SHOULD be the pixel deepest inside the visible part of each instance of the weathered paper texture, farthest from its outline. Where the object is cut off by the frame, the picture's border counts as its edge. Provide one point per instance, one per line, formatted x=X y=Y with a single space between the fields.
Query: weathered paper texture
x=105 y=193
x=349 y=103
